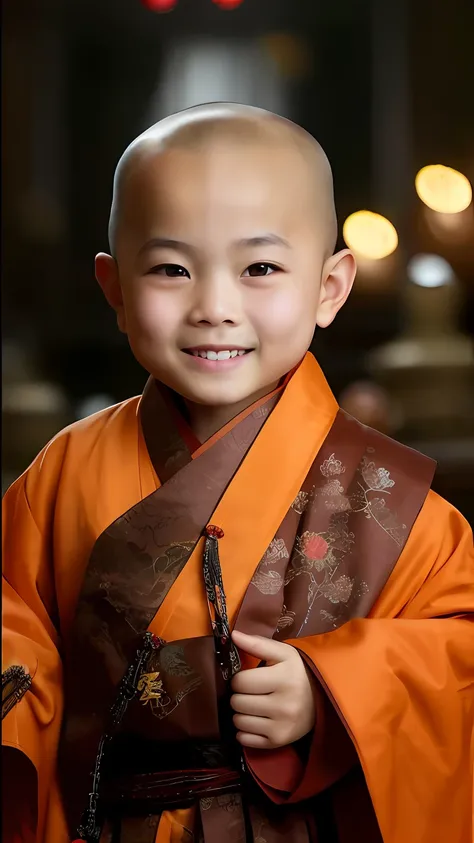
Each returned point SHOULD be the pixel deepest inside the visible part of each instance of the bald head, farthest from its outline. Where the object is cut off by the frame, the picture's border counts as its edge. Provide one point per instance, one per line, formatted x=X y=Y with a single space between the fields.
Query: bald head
x=205 y=127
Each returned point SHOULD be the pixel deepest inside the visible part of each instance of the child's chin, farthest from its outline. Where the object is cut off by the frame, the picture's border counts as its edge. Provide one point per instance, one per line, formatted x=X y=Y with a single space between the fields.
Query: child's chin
x=221 y=394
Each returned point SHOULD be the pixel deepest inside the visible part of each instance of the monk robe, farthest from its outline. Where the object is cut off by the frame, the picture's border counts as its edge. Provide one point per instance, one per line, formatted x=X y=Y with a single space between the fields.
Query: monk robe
x=327 y=537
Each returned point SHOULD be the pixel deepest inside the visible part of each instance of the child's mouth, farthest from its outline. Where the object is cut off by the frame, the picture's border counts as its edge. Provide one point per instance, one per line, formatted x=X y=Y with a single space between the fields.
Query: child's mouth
x=216 y=357
x=214 y=354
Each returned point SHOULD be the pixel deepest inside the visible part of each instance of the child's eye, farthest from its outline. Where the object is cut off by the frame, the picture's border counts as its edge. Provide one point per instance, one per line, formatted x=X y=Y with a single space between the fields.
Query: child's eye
x=259 y=270
x=171 y=270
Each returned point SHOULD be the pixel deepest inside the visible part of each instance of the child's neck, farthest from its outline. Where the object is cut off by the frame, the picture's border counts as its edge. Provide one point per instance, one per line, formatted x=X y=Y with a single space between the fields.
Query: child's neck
x=206 y=420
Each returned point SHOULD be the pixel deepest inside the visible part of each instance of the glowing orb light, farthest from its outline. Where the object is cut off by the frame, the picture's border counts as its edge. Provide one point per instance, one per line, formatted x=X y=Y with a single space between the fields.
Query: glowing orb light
x=430 y=271
x=370 y=235
x=227 y=4
x=160 y=5
x=443 y=189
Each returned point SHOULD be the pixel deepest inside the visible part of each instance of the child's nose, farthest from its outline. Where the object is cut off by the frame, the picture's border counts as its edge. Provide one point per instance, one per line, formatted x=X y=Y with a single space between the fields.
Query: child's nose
x=216 y=300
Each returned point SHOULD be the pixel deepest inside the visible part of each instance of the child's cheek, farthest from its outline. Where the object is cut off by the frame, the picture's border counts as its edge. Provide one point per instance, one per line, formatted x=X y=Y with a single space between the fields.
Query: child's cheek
x=284 y=316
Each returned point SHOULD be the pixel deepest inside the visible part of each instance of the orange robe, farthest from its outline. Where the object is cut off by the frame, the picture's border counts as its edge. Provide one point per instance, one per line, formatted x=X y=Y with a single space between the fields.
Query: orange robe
x=402 y=679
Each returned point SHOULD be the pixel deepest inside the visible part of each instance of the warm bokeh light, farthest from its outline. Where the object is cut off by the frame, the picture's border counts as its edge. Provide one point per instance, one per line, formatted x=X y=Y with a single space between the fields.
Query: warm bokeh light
x=227 y=4
x=430 y=271
x=370 y=235
x=160 y=5
x=443 y=189
x=289 y=52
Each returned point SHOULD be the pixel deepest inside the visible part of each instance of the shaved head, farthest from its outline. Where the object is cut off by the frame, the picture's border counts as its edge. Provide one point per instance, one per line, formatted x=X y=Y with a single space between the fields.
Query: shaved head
x=204 y=128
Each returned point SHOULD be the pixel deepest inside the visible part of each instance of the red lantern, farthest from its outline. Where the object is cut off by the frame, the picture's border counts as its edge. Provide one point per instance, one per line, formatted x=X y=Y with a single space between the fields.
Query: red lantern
x=227 y=4
x=159 y=5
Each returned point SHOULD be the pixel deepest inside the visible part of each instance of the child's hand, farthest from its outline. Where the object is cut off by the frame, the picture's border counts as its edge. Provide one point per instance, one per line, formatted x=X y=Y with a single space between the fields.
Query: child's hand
x=274 y=703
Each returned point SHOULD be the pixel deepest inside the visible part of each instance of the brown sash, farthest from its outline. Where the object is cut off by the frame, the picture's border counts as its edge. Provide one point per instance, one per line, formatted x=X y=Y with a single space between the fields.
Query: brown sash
x=328 y=562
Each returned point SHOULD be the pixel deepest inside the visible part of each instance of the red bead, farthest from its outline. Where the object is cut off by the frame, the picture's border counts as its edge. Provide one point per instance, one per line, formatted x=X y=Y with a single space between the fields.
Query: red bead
x=214 y=532
x=224 y=639
x=159 y=5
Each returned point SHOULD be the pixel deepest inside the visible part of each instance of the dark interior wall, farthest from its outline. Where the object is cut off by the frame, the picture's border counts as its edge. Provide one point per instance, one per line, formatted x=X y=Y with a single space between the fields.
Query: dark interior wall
x=112 y=55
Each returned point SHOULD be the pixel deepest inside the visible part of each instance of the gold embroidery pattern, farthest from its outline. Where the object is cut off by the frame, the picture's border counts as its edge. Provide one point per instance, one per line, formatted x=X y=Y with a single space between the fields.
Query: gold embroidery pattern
x=276 y=550
x=378 y=480
x=206 y=803
x=151 y=687
x=267 y=582
x=323 y=553
x=320 y=555
x=332 y=467
x=270 y=582
x=300 y=502
x=172 y=662
x=286 y=619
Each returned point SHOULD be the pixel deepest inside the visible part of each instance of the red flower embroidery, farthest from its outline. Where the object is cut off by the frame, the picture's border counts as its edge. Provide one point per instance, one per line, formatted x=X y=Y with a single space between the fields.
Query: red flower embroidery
x=314 y=547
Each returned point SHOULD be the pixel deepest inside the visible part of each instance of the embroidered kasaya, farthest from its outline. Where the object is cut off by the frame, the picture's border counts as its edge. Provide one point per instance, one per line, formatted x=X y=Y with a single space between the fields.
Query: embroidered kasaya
x=325 y=563
x=143 y=682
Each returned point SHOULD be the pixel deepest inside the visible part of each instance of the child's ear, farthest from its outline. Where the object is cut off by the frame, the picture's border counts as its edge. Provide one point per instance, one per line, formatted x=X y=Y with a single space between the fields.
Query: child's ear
x=106 y=272
x=337 y=279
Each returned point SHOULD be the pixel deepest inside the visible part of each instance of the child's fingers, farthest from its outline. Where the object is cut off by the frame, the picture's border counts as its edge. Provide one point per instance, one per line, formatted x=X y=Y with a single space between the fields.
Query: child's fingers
x=259 y=705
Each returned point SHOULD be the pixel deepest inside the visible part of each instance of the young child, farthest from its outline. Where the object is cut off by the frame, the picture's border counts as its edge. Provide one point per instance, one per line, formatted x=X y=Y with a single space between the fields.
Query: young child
x=231 y=612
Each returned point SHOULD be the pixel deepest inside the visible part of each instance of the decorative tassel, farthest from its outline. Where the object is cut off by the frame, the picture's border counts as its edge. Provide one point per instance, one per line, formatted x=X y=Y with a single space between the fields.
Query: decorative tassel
x=226 y=652
x=90 y=828
x=15 y=683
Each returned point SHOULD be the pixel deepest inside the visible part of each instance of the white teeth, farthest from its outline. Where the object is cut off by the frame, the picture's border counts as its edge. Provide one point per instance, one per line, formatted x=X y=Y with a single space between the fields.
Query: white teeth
x=217 y=355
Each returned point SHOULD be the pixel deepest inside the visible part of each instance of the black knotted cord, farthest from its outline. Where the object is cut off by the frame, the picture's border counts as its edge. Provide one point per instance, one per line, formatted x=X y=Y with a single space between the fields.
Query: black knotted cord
x=226 y=652
x=90 y=827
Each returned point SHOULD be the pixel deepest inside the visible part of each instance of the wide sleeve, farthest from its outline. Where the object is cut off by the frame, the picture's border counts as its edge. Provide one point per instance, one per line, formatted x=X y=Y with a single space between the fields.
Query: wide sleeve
x=31 y=725
x=401 y=683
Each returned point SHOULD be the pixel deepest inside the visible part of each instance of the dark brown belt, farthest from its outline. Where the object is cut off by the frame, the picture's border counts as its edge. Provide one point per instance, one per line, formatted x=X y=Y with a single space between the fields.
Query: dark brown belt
x=149 y=793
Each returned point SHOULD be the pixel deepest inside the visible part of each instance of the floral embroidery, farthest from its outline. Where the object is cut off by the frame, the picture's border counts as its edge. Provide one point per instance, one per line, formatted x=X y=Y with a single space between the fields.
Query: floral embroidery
x=261 y=412
x=174 y=555
x=336 y=541
x=173 y=661
x=358 y=589
x=339 y=591
x=332 y=466
x=313 y=546
x=286 y=619
x=275 y=551
x=300 y=502
x=377 y=479
x=332 y=619
x=336 y=500
x=319 y=554
x=267 y=582
x=206 y=803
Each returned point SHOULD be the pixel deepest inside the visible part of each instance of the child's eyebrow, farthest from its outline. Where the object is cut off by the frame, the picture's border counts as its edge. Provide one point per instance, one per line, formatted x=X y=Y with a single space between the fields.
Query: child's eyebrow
x=166 y=243
x=263 y=240
x=245 y=242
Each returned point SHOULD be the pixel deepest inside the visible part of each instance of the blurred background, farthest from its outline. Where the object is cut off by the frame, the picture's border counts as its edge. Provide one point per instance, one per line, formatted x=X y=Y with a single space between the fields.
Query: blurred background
x=387 y=88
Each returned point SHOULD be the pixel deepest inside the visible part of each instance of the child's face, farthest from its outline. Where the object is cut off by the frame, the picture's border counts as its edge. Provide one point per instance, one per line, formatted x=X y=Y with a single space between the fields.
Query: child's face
x=220 y=251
